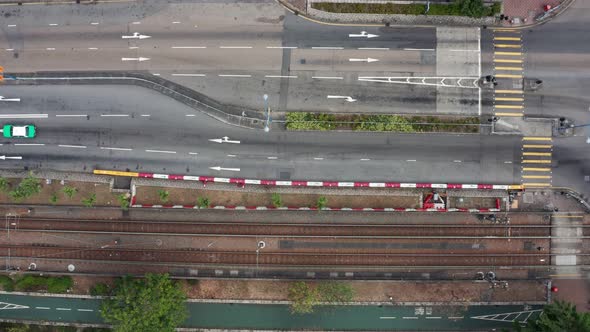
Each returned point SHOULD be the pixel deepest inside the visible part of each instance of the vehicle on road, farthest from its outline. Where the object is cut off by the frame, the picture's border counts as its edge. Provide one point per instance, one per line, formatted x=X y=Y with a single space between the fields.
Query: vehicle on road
x=19 y=131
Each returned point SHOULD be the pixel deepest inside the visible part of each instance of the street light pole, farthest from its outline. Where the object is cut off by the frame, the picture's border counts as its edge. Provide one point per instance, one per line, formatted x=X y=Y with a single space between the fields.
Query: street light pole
x=268 y=120
x=259 y=245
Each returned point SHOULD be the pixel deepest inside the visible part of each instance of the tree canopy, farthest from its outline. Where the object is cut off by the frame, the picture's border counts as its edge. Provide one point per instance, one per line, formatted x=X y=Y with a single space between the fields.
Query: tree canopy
x=556 y=317
x=153 y=304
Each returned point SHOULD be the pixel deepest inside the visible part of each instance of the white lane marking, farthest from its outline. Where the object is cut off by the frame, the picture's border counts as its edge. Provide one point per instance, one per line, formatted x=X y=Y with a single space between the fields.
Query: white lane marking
x=374 y=48
x=160 y=151
x=413 y=317
x=190 y=75
x=235 y=46
x=456 y=161
x=190 y=115
x=188 y=47
x=114 y=115
x=53 y=24
x=93 y=48
x=411 y=160
x=94 y=23
x=71 y=115
x=72 y=146
x=145 y=115
x=156 y=74
x=387 y=317
x=50 y=49
x=459 y=317
x=10 y=49
x=328 y=77
x=327 y=48
x=281 y=47
x=231 y=155
x=63 y=309
x=116 y=149
x=29 y=144
x=234 y=75
x=89 y=310
x=175 y=22
x=23 y=116
x=433 y=317
x=365 y=159
x=193 y=153
x=42 y=308
x=316 y=158
x=418 y=49
x=272 y=158
x=137 y=22
x=11 y=25
x=133 y=47
x=280 y=76
x=507 y=162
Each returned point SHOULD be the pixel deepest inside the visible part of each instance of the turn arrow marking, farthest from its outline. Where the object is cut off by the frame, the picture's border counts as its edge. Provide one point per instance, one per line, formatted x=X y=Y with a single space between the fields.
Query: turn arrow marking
x=362 y=35
x=219 y=168
x=15 y=157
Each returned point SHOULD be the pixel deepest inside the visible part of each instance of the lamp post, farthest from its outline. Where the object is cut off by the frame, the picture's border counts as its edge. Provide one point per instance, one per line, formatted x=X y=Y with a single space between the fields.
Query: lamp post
x=259 y=245
x=268 y=119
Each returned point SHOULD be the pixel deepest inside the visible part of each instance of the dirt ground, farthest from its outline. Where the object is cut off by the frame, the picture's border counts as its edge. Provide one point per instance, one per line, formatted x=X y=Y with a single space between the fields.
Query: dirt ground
x=181 y=196
x=104 y=196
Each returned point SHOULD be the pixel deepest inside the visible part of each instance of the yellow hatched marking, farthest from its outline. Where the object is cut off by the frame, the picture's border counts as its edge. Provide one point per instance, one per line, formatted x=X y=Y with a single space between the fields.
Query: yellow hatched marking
x=509 y=91
x=540 y=154
x=508 y=61
x=516 y=107
x=508 y=76
x=536 y=169
x=536 y=176
x=507 y=38
x=536 y=161
x=508 y=99
x=507 y=30
x=509 y=68
x=536 y=138
x=508 y=114
x=507 y=46
x=508 y=53
x=537 y=146
x=532 y=185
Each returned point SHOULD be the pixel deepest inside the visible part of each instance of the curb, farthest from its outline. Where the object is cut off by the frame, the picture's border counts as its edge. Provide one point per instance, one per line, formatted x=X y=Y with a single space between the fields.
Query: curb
x=303 y=208
x=331 y=184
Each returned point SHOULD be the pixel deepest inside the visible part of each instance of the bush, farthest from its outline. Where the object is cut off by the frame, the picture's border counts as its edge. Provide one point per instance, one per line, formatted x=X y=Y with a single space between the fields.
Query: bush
x=309 y=121
x=28 y=187
x=51 y=284
x=383 y=123
x=89 y=202
x=100 y=289
x=69 y=191
x=471 y=8
x=321 y=203
x=4 y=185
x=277 y=201
x=303 y=298
x=164 y=195
x=335 y=292
x=53 y=198
x=203 y=202
x=123 y=200
x=59 y=284
x=7 y=283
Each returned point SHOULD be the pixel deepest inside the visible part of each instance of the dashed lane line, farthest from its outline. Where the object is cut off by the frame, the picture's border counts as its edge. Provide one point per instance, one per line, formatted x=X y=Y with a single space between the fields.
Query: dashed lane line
x=71 y=115
x=433 y=317
x=63 y=309
x=73 y=146
x=190 y=75
x=387 y=317
x=411 y=317
x=114 y=115
x=280 y=76
x=86 y=310
x=232 y=75
x=115 y=149
x=188 y=47
x=193 y=153
x=42 y=308
x=328 y=77
x=374 y=48
x=29 y=144
x=458 y=317
x=326 y=48
x=235 y=47
x=282 y=47
x=160 y=151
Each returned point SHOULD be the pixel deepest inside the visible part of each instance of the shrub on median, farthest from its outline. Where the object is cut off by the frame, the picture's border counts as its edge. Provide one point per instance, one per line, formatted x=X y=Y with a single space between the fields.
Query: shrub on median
x=469 y=8
x=51 y=284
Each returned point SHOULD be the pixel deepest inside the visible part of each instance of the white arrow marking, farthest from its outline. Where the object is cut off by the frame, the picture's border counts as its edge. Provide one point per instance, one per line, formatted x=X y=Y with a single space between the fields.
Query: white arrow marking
x=363 y=60
x=362 y=35
x=347 y=98
x=224 y=139
x=135 y=59
x=9 y=99
x=216 y=140
x=219 y=168
x=136 y=35
x=5 y=157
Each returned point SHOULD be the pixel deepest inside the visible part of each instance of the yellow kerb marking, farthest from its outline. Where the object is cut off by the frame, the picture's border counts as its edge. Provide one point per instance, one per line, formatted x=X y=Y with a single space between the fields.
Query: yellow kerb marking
x=536 y=176
x=508 y=99
x=506 y=30
x=515 y=186
x=532 y=185
x=508 y=76
x=508 y=53
x=535 y=169
x=533 y=138
x=540 y=154
x=509 y=68
x=507 y=46
x=507 y=38
x=508 y=61
x=508 y=114
x=537 y=146
x=516 y=107
x=536 y=161
x=115 y=173
x=510 y=91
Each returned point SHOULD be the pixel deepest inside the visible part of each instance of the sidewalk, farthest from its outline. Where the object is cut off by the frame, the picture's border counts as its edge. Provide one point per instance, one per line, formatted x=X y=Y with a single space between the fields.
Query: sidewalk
x=524 y=12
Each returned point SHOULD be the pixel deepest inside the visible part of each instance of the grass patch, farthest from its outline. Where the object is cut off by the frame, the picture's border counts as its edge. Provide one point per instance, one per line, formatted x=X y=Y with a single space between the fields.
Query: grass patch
x=384 y=122
x=470 y=8
x=100 y=289
x=7 y=283
x=56 y=285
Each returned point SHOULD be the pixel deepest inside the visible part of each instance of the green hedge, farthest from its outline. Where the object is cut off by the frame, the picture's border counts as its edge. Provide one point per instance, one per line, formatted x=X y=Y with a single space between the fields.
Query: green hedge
x=51 y=284
x=470 y=8
x=383 y=122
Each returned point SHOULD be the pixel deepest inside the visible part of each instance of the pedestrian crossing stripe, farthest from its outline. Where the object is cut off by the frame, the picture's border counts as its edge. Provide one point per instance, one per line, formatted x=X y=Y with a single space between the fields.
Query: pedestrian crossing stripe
x=509 y=91
x=508 y=114
x=508 y=53
x=507 y=46
x=509 y=68
x=536 y=161
x=540 y=154
x=508 y=99
x=536 y=185
x=537 y=146
x=507 y=30
x=536 y=169
x=510 y=106
x=507 y=38
x=508 y=60
x=536 y=176
x=11 y=306
x=508 y=76
x=536 y=138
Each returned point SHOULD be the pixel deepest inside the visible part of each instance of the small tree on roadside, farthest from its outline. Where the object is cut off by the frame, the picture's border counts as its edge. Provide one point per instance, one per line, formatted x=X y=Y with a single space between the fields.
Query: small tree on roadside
x=335 y=292
x=203 y=202
x=557 y=316
x=28 y=187
x=277 y=201
x=303 y=298
x=153 y=304
x=89 y=202
x=69 y=191
x=321 y=203
x=53 y=198
x=164 y=195
x=123 y=200
x=472 y=8
x=4 y=185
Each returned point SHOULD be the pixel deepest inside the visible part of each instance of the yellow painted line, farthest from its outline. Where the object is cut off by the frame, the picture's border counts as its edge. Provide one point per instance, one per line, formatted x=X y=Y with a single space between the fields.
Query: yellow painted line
x=509 y=91
x=536 y=161
x=506 y=30
x=507 y=38
x=508 y=114
x=508 y=60
x=537 y=146
x=536 y=176
x=115 y=173
x=507 y=46
x=508 y=99
x=515 y=107
x=509 y=53
x=508 y=76
x=534 y=185
x=536 y=169
x=539 y=154
x=536 y=138
x=509 y=68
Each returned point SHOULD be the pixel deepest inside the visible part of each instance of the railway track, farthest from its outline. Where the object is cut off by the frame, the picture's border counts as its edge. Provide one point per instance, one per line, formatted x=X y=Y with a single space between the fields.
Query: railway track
x=286 y=229
x=274 y=258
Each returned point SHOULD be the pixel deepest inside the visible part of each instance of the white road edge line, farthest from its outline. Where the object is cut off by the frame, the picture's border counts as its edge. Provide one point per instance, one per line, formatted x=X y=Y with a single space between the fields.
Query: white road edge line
x=64 y=309
x=42 y=308
x=188 y=47
x=328 y=77
x=114 y=115
x=280 y=76
x=29 y=144
x=160 y=151
x=327 y=48
x=374 y=48
x=231 y=75
x=239 y=47
x=89 y=310
x=418 y=49
x=116 y=149
x=281 y=47
x=190 y=75
x=70 y=115
x=73 y=146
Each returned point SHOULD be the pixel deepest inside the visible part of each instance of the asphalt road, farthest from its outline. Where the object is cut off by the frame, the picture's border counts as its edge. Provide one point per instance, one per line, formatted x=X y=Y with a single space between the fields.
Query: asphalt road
x=85 y=127
x=277 y=316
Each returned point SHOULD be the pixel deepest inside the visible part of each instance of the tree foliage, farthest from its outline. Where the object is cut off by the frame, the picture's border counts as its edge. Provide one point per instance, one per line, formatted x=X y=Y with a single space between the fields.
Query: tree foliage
x=335 y=292
x=153 y=304
x=472 y=8
x=303 y=298
x=556 y=317
x=28 y=187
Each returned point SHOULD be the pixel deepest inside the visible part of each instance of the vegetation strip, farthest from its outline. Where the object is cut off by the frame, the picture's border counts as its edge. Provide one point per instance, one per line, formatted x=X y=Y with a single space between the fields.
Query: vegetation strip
x=470 y=8
x=382 y=122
